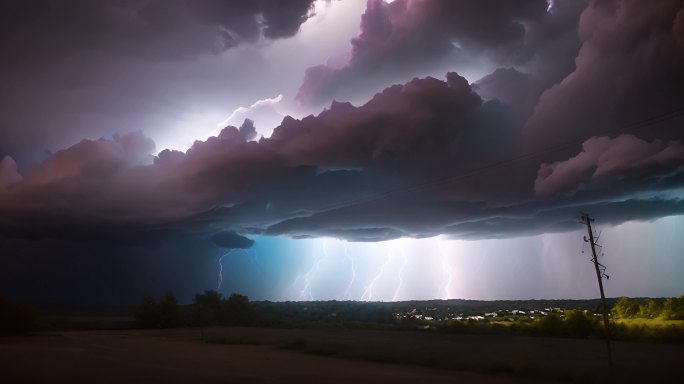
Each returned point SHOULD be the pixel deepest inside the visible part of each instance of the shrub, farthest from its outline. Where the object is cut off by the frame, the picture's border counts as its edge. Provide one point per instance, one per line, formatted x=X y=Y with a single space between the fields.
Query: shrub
x=165 y=314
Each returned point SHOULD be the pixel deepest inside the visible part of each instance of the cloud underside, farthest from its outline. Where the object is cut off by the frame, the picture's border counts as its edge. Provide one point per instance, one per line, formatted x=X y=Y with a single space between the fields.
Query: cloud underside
x=517 y=153
x=35 y=30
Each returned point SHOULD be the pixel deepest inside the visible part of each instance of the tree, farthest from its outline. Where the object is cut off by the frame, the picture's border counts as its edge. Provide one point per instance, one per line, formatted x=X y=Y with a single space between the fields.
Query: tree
x=206 y=308
x=579 y=324
x=625 y=308
x=651 y=309
x=146 y=313
x=550 y=325
x=673 y=309
x=168 y=311
x=150 y=314
x=237 y=310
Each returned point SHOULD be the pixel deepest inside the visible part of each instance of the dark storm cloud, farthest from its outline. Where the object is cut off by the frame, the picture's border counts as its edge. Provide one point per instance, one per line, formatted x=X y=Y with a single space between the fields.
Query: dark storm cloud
x=231 y=240
x=78 y=69
x=604 y=159
x=307 y=166
x=35 y=30
x=631 y=57
x=419 y=159
x=409 y=36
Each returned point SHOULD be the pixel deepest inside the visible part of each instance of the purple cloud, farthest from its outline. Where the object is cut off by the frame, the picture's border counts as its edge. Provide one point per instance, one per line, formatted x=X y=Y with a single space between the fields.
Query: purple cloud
x=421 y=158
x=407 y=37
x=604 y=159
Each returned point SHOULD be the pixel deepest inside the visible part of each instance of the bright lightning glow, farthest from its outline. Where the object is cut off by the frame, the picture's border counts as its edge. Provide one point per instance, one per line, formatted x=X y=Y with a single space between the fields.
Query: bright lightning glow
x=542 y=267
x=353 y=272
x=220 y=271
x=368 y=293
x=446 y=270
x=306 y=293
x=404 y=263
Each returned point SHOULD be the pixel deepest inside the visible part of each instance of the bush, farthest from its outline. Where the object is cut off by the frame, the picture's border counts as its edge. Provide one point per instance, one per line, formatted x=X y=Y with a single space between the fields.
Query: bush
x=673 y=309
x=625 y=308
x=210 y=308
x=165 y=314
x=651 y=309
x=580 y=324
x=550 y=325
x=237 y=310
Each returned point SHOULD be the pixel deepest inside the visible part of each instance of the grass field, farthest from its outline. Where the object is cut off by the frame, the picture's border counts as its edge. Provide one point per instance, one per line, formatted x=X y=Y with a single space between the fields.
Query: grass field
x=255 y=355
x=651 y=322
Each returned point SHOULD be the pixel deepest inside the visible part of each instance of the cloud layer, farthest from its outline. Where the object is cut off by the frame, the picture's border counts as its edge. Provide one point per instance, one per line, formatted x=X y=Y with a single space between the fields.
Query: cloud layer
x=36 y=30
x=498 y=158
x=406 y=37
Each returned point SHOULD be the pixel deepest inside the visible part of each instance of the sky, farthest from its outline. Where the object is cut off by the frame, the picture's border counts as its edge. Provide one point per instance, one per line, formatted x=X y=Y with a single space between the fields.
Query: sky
x=342 y=149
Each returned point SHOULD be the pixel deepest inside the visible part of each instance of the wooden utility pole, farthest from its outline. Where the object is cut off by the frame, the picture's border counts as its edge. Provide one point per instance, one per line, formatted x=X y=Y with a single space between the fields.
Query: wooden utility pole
x=599 y=275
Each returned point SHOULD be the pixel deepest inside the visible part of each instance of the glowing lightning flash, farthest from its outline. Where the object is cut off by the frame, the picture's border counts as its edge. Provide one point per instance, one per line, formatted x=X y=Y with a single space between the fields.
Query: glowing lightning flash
x=305 y=293
x=400 y=273
x=446 y=269
x=353 y=271
x=368 y=292
x=220 y=271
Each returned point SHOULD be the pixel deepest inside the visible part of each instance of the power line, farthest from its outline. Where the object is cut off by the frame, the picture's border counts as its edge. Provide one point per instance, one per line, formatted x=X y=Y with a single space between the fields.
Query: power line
x=600 y=274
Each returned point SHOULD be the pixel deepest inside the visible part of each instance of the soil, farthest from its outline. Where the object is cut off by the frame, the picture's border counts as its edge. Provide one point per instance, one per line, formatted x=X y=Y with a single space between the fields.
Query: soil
x=254 y=355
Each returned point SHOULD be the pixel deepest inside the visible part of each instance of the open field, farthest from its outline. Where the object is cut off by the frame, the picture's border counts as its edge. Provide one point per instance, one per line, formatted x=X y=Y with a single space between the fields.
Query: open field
x=253 y=355
x=651 y=322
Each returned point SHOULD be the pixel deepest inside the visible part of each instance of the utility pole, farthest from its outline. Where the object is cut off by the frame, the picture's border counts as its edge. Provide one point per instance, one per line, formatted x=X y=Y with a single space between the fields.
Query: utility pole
x=599 y=275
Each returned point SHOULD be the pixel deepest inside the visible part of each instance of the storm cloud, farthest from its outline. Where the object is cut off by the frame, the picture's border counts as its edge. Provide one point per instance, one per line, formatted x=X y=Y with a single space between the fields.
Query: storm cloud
x=391 y=168
x=433 y=120
x=36 y=30
x=407 y=37
x=419 y=159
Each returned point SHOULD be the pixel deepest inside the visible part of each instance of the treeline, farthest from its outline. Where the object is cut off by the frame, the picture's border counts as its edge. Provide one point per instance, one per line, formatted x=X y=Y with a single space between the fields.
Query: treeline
x=208 y=308
x=569 y=324
x=666 y=309
x=312 y=314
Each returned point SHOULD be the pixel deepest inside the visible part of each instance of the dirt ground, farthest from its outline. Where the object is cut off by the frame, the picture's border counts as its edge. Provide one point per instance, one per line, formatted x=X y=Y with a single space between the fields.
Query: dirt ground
x=253 y=355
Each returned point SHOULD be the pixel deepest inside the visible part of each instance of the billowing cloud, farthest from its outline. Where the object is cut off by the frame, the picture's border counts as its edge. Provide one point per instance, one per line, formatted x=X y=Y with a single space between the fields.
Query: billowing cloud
x=79 y=69
x=264 y=113
x=36 y=30
x=8 y=172
x=603 y=159
x=231 y=240
x=413 y=37
x=419 y=159
x=548 y=109
x=402 y=164
x=631 y=55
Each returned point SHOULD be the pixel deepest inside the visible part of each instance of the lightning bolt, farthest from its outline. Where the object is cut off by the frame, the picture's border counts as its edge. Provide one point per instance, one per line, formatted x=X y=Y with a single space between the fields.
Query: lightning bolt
x=220 y=271
x=305 y=293
x=368 y=292
x=446 y=269
x=400 y=273
x=353 y=271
